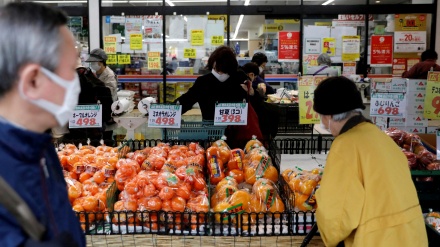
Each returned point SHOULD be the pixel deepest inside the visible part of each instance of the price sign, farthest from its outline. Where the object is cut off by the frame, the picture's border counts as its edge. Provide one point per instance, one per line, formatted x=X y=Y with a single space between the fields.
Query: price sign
x=135 y=41
x=432 y=100
x=110 y=44
x=86 y=116
x=197 y=37
x=307 y=85
x=409 y=41
x=112 y=59
x=217 y=40
x=164 y=116
x=189 y=53
x=388 y=105
x=395 y=85
x=351 y=48
x=231 y=114
x=124 y=59
x=154 y=60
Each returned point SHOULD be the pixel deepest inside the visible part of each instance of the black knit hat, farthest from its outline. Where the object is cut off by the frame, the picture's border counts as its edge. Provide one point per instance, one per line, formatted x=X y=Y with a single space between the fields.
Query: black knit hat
x=336 y=95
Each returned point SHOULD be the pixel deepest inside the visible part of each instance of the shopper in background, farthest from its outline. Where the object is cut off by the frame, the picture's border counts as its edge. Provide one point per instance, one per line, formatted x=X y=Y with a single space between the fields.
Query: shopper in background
x=366 y=195
x=97 y=60
x=420 y=70
x=323 y=68
x=259 y=83
x=39 y=89
x=225 y=84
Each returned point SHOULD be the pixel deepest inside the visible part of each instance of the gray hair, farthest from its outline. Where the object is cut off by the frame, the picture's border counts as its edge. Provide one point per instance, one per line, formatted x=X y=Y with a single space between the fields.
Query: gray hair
x=342 y=116
x=29 y=34
x=324 y=59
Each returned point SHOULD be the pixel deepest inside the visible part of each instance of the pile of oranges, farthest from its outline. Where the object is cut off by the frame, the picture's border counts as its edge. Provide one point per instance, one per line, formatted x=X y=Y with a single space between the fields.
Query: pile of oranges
x=162 y=178
x=304 y=185
x=88 y=172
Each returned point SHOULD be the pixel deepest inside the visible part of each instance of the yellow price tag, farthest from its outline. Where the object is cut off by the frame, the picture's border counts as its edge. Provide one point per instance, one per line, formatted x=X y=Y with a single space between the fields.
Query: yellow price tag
x=124 y=59
x=112 y=59
x=306 y=87
x=217 y=40
x=197 y=37
x=154 y=60
x=110 y=44
x=189 y=53
x=135 y=41
x=431 y=109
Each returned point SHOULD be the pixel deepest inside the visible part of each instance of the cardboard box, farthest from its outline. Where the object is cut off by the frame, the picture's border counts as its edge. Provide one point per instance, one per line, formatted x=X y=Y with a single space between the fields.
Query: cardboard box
x=430 y=141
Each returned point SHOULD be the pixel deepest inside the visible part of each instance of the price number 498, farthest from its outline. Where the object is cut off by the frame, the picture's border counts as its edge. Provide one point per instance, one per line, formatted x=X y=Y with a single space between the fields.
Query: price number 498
x=86 y=121
x=231 y=118
x=164 y=121
x=388 y=110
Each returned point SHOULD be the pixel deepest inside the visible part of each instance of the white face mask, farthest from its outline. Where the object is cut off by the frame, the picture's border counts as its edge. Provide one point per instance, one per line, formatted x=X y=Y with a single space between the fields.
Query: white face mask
x=72 y=90
x=261 y=69
x=220 y=77
x=323 y=126
x=95 y=66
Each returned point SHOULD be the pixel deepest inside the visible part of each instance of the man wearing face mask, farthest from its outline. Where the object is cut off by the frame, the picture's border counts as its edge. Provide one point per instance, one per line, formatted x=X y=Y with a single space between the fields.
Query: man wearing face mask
x=366 y=195
x=225 y=84
x=39 y=89
x=97 y=60
x=259 y=83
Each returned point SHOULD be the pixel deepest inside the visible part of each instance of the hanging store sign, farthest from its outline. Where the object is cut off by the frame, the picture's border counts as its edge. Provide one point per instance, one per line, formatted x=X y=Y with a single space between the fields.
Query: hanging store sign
x=197 y=37
x=136 y=41
x=86 y=116
x=288 y=46
x=313 y=46
x=381 y=50
x=388 y=105
x=351 y=48
x=306 y=88
x=217 y=40
x=410 y=22
x=409 y=41
x=124 y=59
x=231 y=114
x=112 y=59
x=154 y=60
x=153 y=27
x=164 y=116
x=110 y=44
x=133 y=25
x=189 y=53
x=354 y=17
x=432 y=100
x=329 y=46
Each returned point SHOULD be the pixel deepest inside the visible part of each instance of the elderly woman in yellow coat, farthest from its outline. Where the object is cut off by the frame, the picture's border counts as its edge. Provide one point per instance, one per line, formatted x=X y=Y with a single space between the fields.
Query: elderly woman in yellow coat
x=366 y=196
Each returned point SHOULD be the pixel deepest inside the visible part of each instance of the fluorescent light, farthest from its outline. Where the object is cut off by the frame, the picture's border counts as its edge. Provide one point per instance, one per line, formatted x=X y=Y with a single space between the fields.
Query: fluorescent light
x=61 y=1
x=149 y=1
x=186 y=19
x=240 y=20
x=115 y=1
x=327 y=2
x=246 y=3
x=169 y=3
x=377 y=1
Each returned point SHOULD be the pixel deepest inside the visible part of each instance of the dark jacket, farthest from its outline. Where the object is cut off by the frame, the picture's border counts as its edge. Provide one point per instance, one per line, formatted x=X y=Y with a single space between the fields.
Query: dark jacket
x=420 y=70
x=23 y=155
x=207 y=90
x=258 y=80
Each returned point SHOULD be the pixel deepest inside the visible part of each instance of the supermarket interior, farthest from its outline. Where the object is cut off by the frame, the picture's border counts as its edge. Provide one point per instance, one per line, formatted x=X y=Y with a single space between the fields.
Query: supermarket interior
x=162 y=174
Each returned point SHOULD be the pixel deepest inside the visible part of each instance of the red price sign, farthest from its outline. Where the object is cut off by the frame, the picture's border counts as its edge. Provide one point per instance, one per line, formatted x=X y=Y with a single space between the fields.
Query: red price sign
x=165 y=121
x=388 y=105
x=310 y=112
x=231 y=114
x=388 y=111
x=86 y=116
x=86 y=121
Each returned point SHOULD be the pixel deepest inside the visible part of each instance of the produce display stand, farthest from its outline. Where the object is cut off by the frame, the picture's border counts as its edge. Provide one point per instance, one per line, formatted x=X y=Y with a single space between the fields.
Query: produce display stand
x=289 y=120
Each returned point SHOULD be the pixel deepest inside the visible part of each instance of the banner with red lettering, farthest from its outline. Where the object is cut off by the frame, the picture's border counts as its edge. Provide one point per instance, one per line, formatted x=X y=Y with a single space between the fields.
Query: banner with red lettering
x=381 y=50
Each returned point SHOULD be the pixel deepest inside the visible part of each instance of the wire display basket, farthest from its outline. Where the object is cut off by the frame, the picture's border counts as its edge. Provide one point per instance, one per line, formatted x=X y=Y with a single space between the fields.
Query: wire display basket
x=204 y=130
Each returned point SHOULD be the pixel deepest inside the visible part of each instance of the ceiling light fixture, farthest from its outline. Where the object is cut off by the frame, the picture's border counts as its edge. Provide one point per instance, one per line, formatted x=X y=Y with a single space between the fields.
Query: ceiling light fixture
x=327 y=2
x=247 y=2
x=144 y=1
x=115 y=1
x=61 y=1
x=237 y=28
x=377 y=1
x=169 y=3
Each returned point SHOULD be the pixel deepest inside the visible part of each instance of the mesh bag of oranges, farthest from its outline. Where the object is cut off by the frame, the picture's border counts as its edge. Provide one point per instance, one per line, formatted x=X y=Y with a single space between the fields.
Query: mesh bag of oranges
x=244 y=207
x=167 y=182
x=89 y=172
x=303 y=184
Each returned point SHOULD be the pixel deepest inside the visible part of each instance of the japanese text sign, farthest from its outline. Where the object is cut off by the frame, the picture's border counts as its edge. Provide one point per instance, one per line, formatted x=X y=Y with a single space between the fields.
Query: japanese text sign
x=381 y=50
x=86 y=116
x=217 y=40
x=110 y=44
x=351 y=48
x=124 y=59
x=329 y=46
x=388 y=105
x=307 y=85
x=410 y=22
x=231 y=114
x=288 y=46
x=164 y=116
x=432 y=100
x=189 y=53
x=154 y=60
x=112 y=59
x=136 y=41
x=409 y=41
x=197 y=37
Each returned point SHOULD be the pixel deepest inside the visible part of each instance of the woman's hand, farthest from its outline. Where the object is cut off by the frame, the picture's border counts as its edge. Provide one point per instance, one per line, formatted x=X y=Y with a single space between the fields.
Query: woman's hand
x=247 y=85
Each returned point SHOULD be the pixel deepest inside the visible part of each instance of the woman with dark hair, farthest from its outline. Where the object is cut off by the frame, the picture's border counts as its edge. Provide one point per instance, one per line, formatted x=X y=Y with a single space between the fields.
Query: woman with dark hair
x=260 y=59
x=225 y=84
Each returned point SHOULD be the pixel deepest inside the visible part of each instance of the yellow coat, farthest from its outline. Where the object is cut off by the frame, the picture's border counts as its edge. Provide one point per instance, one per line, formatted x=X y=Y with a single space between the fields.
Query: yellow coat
x=367 y=196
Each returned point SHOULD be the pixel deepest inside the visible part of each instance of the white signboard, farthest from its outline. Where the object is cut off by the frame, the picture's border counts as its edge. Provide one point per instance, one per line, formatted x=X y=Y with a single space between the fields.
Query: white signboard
x=231 y=114
x=86 y=116
x=388 y=105
x=313 y=46
x=396 y=85
x=164 y=116
x=409 y=41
